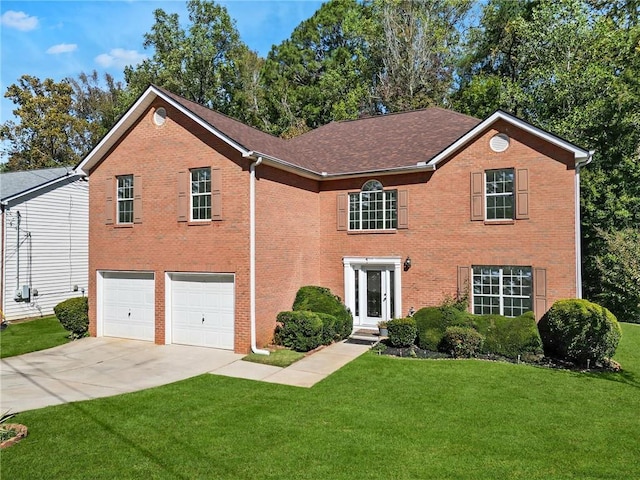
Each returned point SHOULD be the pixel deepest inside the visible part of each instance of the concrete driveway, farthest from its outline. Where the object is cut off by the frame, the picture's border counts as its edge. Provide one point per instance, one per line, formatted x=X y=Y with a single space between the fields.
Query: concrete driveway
x=100 y=367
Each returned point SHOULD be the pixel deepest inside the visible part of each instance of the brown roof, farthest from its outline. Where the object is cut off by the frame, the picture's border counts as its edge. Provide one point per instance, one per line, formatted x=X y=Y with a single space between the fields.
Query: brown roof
x=385 y=141
x=374 y=143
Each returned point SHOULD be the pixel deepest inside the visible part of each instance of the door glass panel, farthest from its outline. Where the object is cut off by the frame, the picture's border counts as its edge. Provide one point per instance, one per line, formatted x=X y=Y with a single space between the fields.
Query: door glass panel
x=392 y=296
x=374 y=293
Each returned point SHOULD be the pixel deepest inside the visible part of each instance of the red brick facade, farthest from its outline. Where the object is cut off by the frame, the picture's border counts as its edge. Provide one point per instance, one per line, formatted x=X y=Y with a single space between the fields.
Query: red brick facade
x=297 y=239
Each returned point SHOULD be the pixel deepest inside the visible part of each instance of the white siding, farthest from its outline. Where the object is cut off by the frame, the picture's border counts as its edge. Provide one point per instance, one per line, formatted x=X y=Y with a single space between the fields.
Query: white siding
x=53 y=249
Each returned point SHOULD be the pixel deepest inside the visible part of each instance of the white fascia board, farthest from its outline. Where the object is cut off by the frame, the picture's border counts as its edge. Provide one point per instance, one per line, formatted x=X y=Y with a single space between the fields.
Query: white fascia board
x=303 y=172
x=132 y=115
x=580 y=155
x=283 y=165
x=110 y=139
x=71 y=175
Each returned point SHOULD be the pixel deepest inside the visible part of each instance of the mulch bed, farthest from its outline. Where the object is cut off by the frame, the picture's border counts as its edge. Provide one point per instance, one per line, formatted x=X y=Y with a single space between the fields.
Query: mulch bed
x=385 y=348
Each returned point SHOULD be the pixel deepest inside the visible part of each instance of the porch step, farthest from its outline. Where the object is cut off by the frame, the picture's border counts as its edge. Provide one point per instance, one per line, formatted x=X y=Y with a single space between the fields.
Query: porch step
x=364 y=337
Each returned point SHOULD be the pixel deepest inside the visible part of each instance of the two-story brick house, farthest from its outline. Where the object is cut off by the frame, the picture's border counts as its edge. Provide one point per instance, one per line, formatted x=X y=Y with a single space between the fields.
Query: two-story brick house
x=202 y=228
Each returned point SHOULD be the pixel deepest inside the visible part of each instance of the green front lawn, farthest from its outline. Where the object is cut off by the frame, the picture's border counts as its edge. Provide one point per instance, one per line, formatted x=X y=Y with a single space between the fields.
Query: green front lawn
x=378 y=417
x=31 y=336
x=282 y=357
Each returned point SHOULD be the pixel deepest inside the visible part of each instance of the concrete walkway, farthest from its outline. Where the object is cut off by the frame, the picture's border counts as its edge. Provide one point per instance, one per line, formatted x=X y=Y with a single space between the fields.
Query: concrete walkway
x=100 y=367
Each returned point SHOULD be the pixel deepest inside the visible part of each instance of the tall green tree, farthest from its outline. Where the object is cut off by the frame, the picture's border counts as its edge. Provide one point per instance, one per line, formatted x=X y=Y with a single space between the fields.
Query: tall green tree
x=574 y=70
x=418 y=49
x=46 y=133
x=99 y=102
x=324 y=71
x=203 y=63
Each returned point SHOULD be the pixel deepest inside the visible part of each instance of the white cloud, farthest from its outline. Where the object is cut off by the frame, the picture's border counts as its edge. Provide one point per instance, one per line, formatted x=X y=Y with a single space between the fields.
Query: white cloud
x=62 y=48
x=119 y=57
x=19 y=20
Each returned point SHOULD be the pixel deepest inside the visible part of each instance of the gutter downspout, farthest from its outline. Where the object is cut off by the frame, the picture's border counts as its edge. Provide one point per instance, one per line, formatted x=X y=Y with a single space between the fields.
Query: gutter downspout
x=252 y=255
x=578 y=221
x=18 y=216
x=2 y=261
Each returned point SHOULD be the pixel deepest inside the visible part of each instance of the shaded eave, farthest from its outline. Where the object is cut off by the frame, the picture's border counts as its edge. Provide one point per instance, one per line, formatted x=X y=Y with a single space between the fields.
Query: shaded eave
x=307 y=173
x=580 y=155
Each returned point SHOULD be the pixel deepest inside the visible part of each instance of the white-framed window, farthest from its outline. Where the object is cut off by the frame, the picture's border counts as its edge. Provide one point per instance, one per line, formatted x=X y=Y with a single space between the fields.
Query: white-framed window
x=125 y=199
x=373 y=208
x=502 y=290
x=201 y=193
x=499 y=198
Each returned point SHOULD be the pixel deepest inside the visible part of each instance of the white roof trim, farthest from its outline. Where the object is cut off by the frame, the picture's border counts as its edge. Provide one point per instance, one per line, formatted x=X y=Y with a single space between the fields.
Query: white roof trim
x=307 y=173
x=132 y=115
x=70 y=175
x=580 y=155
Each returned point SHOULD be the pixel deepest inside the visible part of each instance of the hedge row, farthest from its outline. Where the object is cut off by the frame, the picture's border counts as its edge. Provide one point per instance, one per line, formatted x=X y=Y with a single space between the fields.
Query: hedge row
x=504 y=336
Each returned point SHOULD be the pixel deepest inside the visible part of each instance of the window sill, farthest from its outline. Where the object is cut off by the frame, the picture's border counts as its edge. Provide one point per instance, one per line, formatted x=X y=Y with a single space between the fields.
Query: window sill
x=499 y=222
x=365 y=232
x=123 y=225
x=201 y=223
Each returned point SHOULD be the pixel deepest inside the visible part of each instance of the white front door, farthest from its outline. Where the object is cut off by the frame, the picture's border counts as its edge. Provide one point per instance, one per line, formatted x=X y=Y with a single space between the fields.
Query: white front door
x=372 y=289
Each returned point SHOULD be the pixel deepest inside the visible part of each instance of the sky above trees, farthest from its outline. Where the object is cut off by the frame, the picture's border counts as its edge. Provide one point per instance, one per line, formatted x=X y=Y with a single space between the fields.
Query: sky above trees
x=59 y=39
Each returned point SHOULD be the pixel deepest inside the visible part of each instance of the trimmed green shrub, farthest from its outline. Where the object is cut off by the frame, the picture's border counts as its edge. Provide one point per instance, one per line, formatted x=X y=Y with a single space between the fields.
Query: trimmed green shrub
x=321 y=300
x=431 y=323
x=402 y=331
x=302 y=331
x=507 y=336
x=579 y=330
x=73 y=314
x=461 y=342
x=329 y=328
x=504 y=336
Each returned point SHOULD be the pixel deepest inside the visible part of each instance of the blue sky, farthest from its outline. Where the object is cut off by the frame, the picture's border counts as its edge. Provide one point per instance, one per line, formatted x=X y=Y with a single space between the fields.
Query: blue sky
x=58 y=39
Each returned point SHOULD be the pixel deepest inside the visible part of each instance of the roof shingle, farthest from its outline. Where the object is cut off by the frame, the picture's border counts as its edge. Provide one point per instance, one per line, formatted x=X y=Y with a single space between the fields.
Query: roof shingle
x=373 y=143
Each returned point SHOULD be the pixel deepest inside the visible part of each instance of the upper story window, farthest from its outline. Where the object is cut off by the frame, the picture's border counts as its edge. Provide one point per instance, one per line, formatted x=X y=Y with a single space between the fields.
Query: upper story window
x=500 y=195
x=373 y=208
x=125 y=199
x=499 y=189
x=201 y=194
x=502 y=290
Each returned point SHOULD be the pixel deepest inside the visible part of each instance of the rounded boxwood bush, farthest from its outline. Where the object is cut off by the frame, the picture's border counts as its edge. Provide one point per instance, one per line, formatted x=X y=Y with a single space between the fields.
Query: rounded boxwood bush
x=321 y=300
x=431 y=323
x=301 y=331
x=578 y=330
x=73 y=314
x=508 y=336
x=402 y=331
x=329 y=328
x=461 y=342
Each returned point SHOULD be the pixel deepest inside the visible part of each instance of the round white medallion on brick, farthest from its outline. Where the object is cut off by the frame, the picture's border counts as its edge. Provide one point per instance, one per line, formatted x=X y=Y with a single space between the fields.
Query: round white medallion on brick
x=499 y=142
x=159 y=116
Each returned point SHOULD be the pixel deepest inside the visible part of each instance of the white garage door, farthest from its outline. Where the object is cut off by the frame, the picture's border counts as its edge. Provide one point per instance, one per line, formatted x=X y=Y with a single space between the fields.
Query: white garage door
x=202 y=310
x=128 y=305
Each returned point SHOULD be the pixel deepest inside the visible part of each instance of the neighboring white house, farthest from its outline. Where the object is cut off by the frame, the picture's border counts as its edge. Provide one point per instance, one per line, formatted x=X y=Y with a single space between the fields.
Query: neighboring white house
x=45 y=240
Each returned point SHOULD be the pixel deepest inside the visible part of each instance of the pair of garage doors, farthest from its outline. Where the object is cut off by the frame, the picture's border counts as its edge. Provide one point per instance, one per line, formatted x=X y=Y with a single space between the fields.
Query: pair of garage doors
x=199 y=307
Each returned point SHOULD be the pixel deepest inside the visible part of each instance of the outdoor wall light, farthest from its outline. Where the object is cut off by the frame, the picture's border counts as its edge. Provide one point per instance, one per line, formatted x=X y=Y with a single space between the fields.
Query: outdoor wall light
x=407 y=263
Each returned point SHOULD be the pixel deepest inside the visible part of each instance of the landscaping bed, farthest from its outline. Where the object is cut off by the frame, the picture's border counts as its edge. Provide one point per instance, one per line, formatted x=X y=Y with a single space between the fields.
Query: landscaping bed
x=385 y=348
